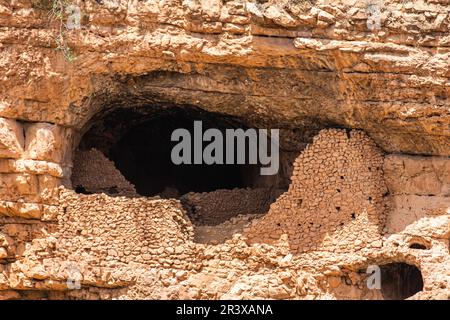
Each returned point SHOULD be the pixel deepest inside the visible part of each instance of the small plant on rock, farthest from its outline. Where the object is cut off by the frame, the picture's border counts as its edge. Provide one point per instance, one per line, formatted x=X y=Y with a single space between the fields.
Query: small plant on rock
x=57 y=10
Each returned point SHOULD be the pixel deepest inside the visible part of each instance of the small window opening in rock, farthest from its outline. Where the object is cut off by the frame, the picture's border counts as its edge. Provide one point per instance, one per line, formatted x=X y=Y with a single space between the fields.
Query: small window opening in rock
x=370 y=169
x=338 y=208
x=418 y=246
x=400 y=281
x=353 y=216
x=342 y=177
x=338 y=190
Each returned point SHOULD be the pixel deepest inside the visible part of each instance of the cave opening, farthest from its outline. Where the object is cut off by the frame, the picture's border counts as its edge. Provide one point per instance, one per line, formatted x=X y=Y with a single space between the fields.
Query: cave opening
x=139 y=144
x=128 y=152
x=400 y=281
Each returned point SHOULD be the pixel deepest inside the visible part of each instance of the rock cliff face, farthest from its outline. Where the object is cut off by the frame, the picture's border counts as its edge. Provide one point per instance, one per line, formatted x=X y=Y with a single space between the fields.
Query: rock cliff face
x=375 y=72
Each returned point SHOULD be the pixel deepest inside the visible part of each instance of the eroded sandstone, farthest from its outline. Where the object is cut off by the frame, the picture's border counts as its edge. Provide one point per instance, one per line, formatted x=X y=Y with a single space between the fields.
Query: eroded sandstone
x=375 y=193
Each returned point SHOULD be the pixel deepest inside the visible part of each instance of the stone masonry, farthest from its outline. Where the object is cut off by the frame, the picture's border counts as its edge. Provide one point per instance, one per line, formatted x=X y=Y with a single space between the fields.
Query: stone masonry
x=362 y=88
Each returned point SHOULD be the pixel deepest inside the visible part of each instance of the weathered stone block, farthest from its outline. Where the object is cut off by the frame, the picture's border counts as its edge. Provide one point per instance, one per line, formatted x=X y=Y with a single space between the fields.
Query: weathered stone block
x=44 y=142
x=16 y=184
x=48 y=188
x=31 y=166
x=20 y=209
x=11 y=139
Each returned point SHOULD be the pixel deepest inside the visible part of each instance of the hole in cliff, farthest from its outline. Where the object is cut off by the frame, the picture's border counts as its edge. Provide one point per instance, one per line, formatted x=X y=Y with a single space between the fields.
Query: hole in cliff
x=417 y=246
x=140 y=147
x=128 y=152
x=419 y=243
x=400 y=280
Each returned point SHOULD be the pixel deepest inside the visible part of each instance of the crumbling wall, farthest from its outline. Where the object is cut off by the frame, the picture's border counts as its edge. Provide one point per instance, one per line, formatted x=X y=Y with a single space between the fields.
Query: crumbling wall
x=135 y=248
x=99 y=236
x=94 y=173
x=219 y=233
x=211 y=208
x=120 y=228
x=142 y=248
x=273 y=64
x=335 y=201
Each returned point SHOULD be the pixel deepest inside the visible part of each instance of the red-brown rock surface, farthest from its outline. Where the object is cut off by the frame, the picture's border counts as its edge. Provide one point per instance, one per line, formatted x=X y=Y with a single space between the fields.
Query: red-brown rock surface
x=379 y=69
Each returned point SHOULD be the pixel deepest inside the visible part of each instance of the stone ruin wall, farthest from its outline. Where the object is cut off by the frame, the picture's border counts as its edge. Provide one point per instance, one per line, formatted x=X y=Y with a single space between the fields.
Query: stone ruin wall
x=145 y=248
x=210 y=208
x=323 y=69
x=94 y=173
x=335 y=200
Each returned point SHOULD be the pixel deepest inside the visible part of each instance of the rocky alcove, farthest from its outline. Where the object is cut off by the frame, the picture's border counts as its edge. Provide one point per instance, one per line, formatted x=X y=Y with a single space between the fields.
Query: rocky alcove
x=127 y=152
x=400 y=280
x=359 y=90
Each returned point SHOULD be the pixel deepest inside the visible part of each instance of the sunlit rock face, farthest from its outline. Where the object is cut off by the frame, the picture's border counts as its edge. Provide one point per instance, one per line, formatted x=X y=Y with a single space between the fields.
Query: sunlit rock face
x=358 y=89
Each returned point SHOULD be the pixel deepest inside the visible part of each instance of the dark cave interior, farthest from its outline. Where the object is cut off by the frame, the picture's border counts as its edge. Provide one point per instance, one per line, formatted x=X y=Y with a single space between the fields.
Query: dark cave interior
x=400 y=280
x=139 y=142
